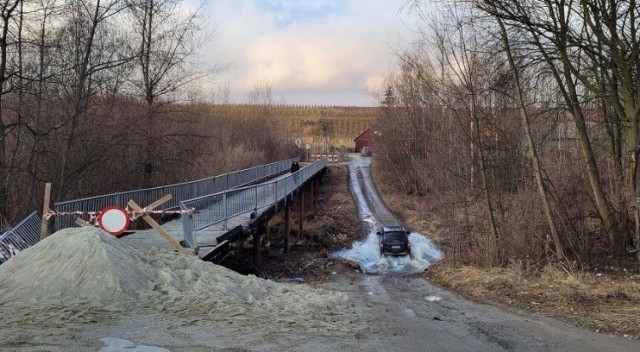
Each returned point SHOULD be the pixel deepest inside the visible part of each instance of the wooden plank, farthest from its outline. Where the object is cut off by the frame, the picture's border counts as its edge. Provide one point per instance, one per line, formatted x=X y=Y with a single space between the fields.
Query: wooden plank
x=215 y=254
x=167 y=237
x=81 y=222
x=155 y=204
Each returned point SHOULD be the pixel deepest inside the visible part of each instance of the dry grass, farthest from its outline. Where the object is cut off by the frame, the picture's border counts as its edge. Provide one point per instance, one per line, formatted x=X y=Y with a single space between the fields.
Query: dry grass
x=415 y=212
x=604 y=303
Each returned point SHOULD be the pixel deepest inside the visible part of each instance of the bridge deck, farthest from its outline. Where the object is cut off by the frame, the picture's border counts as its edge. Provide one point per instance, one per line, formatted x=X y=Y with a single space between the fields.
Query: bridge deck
x=207 y=238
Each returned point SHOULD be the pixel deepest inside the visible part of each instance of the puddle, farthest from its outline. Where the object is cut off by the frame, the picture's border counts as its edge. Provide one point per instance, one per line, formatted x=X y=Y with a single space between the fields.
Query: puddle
x=367 y=254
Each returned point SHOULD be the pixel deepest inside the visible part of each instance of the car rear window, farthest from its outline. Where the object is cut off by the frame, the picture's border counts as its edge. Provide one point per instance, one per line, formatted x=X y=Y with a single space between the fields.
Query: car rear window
x=395 y=235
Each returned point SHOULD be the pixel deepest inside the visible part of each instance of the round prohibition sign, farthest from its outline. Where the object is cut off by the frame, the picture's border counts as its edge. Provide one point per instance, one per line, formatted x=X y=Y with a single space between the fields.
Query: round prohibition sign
x=114 y=219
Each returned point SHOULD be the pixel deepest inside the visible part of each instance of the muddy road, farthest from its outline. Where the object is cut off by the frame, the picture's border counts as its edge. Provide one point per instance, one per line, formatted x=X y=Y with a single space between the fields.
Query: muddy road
x=391 y=308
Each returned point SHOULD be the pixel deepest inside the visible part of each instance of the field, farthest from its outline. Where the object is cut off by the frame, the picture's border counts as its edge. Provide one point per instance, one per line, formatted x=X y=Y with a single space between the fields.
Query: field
x=322 y=127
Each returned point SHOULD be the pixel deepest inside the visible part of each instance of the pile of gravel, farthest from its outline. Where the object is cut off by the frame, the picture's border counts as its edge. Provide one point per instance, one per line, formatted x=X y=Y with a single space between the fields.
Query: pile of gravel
x=76 y=264
x=86 y=270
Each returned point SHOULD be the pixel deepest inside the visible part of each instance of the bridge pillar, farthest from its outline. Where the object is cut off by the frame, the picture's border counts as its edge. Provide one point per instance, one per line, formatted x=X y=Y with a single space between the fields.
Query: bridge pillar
x=287 y=223
x=300 y=213
x=257 y=243
x=317 y=187
x=312 y=199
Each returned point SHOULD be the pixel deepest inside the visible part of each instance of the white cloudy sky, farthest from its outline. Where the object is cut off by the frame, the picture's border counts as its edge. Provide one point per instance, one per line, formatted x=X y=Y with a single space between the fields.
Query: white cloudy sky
x=308 y=51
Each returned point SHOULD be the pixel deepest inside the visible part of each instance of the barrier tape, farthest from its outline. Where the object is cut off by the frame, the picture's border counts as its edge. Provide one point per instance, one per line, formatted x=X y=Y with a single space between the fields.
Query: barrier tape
x=93 y=215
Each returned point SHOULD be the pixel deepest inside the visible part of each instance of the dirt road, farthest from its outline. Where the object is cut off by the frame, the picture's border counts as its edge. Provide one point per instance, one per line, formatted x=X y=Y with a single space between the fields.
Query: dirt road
x=390 y=312
x=411 y=314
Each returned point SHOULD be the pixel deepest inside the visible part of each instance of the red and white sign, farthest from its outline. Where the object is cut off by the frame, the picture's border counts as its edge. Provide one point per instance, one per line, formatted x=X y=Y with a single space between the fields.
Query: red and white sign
x=114 y=219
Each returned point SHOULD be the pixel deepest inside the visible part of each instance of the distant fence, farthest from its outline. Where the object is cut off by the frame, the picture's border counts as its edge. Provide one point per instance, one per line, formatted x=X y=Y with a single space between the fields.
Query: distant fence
x=331 y=158
x=27 y=232
x=217 y=208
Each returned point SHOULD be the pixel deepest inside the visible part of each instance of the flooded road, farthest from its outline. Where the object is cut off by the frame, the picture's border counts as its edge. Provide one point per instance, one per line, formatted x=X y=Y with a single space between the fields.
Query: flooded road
x=373 y=211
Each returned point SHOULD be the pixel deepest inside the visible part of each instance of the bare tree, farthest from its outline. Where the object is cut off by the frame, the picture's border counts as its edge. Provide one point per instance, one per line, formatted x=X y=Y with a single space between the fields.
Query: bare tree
x=533 y=154
x=590 y=45
x=169 y=35
x=94 y=51
x=9 y=12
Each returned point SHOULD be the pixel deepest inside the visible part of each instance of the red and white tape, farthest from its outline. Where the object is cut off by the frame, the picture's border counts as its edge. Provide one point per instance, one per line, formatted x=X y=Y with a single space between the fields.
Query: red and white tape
x=93 y=215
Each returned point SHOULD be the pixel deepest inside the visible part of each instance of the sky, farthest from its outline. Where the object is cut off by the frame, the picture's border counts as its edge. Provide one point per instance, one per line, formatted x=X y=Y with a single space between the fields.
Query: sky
x=319 y=52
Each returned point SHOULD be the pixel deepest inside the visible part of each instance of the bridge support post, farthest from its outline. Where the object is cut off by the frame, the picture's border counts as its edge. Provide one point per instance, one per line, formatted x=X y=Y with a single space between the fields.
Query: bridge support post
x=312 y=198
x=257 y=243
x=287 y=223
x=300 y=213
x=316 y=179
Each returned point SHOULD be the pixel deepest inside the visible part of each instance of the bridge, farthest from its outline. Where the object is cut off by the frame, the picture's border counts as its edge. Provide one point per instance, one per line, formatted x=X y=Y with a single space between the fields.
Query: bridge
x=214 y=212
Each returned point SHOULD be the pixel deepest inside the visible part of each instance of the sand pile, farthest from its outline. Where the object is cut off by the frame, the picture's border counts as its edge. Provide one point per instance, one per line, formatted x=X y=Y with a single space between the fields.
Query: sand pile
x=78 y=268
x=75 y=264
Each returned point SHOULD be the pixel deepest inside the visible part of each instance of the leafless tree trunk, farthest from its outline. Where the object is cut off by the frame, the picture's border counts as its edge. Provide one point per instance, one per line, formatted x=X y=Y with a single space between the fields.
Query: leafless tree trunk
x=484 y=181
x=8 y=13
x=533 y=155
x=565 y=44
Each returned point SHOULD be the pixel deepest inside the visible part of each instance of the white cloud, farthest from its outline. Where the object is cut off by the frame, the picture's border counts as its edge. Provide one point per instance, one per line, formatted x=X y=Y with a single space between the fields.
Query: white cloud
x=327 y=51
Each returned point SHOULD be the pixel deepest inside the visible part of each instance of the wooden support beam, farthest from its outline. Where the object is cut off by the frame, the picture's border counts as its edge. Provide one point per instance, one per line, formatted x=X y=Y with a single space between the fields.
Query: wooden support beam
x=300 y=213
x=82 y=223
x=312 y=205
x=316 y=179
x=155 y=204
x=257 y=243
x=44 y=226
x=287 y=223
x=167 y=237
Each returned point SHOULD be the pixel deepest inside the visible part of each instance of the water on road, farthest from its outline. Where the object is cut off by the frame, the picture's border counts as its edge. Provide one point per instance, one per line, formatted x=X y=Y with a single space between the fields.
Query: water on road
x=373 y=211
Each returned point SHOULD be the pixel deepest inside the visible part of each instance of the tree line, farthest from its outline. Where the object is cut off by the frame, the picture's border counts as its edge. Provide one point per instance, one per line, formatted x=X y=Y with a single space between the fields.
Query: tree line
x=520 y=120
x=96 y=97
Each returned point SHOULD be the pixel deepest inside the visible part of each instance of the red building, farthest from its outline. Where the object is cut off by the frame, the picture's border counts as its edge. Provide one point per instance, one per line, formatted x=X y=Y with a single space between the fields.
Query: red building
x=365 y=139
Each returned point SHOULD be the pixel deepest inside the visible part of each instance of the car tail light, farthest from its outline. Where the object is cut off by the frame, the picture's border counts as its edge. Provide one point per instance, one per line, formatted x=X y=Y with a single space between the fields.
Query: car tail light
x=409 y=246
x=381 y=246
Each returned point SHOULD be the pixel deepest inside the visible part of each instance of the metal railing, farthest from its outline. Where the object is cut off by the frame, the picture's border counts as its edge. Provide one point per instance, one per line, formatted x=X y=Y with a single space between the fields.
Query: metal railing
x=219 y=207
x=179 y=191
x=22 y=236
x=27 y=232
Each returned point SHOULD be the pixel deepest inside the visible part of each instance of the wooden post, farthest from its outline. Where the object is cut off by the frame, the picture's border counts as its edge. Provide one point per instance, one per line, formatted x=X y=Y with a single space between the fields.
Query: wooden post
x=45 y=208
x=287 y=224
x=157 y=203
x=300 y=213
x=167 y=237
x=312 y=191
x=257 y=243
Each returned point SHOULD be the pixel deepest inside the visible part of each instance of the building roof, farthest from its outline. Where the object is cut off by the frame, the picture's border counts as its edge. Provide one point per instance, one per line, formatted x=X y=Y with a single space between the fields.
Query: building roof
x=362 y=134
